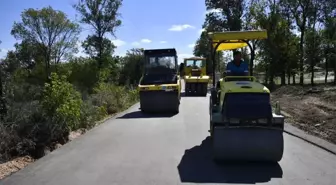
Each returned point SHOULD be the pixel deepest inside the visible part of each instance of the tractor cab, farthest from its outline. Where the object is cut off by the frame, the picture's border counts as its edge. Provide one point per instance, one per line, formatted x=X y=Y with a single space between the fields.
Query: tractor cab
x=195 y=66
x=160 y=66
x=195 y=77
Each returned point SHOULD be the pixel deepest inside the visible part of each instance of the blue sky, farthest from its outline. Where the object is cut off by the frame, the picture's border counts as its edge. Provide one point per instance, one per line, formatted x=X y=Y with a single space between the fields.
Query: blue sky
x=147 y=23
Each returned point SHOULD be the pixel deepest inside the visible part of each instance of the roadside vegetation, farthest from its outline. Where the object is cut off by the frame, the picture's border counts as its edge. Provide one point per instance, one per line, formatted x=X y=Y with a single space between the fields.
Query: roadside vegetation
x=48 y=92
x=297 y=61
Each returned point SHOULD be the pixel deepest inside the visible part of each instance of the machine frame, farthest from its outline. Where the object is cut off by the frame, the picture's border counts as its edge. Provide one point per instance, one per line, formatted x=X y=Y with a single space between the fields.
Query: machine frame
x=160 y=96
x=196 y=84
x=222 y=128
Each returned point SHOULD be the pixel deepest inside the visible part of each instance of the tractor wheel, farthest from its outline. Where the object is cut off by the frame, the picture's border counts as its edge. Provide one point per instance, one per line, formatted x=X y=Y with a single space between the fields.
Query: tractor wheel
x=205 y=89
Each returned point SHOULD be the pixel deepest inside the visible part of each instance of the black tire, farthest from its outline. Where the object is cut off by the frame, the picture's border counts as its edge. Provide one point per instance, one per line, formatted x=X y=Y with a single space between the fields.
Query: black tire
x=144 y=111
x=205 y=90
x=211 y=129
x=186 y=89
x=199 y=89
x=177 y=110
x=192 y=89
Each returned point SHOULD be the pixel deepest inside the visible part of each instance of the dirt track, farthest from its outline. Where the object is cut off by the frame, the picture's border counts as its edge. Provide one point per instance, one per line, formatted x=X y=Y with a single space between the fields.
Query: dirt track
x=312 y=111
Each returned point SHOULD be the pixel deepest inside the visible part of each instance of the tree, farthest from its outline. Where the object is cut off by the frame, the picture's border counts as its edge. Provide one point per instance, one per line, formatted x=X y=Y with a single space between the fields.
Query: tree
x=102 y=16
x=329 y=35
x=250 y=24
x=3 y=109
x=230 y=16
x=330 y=41
x=51 y=31
x=132 y=67
x=300 y=10
x=202 y=49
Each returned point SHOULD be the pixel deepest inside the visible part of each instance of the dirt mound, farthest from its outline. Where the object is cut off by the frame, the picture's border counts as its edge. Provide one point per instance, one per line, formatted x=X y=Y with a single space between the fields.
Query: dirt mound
x=311 y=109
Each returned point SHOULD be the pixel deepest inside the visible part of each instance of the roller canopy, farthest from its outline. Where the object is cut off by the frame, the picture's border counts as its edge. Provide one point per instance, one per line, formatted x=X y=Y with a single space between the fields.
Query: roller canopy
x=230 y=46
x=235 y=39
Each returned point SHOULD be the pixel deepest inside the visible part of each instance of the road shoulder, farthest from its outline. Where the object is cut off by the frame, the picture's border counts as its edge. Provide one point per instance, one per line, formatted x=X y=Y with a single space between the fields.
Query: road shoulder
x=321 y=143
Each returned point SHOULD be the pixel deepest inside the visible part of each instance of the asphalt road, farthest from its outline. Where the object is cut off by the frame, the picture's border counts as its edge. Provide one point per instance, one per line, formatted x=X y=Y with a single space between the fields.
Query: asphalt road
x=133 y=149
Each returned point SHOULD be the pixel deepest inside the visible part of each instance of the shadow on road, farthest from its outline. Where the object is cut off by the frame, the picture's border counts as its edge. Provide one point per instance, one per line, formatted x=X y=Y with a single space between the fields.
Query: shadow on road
x=139 y=114
x=197 y=166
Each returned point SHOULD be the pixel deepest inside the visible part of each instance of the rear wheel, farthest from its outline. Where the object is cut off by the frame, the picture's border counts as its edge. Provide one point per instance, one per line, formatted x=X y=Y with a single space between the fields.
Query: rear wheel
x=177 y=110
x=211 y=129
x=205 y=89
x=199 y=89
x=186 y=89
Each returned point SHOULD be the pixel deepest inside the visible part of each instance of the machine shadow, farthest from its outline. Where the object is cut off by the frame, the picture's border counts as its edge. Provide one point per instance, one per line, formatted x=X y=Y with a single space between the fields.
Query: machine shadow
x=139 y=114
x=197 y=166
x=194 y=95
x=190 y=95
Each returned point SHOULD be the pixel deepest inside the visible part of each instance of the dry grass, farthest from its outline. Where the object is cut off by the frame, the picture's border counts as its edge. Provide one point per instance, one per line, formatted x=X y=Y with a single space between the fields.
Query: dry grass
x=13 y=166
x=314 y=112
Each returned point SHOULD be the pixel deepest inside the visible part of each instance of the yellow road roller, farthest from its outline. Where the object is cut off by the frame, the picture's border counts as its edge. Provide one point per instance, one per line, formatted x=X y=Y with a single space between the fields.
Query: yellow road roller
x=195 y=77
x=243 y=125
x=160 y=84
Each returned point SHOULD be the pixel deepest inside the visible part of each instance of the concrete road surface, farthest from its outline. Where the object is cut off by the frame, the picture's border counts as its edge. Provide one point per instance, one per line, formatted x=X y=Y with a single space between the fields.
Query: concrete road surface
x=135 y=149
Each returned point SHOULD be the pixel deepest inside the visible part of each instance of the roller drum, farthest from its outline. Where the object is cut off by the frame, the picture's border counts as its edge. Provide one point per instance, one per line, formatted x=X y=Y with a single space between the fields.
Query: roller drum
x=247 y=144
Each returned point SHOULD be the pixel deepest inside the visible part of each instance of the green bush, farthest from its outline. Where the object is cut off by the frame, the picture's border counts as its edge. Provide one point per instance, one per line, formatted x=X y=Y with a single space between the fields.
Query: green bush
x=113 y=98
x=90 y=114
x=62 y=101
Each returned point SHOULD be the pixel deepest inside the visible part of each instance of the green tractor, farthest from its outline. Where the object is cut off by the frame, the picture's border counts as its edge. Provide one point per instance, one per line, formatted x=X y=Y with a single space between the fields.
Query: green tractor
x=160 y=85
x=243 y=126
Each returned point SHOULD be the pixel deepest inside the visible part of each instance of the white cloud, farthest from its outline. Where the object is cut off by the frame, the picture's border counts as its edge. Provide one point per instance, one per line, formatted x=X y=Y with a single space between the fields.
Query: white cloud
x=217 y=10
x=146 y=41
x=3 y=52
x=201 y=30
x=118 y=42
x=163 y=42
x=81 y=51
x=191 y=45
x=182 y=56
x=180 y=27
x=120 y=53
x=135 y=43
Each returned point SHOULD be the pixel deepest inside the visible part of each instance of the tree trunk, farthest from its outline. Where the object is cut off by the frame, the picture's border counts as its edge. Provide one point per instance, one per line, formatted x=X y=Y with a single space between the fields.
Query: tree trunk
x=266 y=77
x=312 y=73
x=302 y=28
x=288 y=77
x=252 y=59
x=326 y=70
x=283 y=77
x=271 y=77
x=3 y=110
x=313 y=62
x=334 y=72
x=294 y=82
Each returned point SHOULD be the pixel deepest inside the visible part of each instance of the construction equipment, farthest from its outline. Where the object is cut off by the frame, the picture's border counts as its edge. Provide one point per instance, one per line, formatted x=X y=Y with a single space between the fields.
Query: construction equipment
x=195 y=77
x=243 y=126
x=160 y=85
